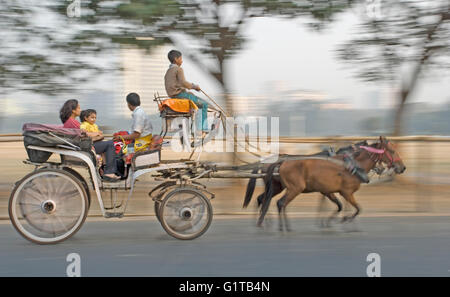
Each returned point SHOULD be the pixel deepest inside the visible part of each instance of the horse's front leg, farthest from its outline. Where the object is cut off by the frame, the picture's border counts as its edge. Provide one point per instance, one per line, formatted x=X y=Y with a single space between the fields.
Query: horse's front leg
x=280 y=206
x=286 y=221
x=336 y=201
x=351 y=199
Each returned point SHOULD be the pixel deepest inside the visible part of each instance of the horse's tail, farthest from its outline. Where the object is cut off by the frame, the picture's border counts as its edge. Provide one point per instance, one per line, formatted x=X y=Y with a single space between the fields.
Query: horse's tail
x=268 y=191
x=250 y=189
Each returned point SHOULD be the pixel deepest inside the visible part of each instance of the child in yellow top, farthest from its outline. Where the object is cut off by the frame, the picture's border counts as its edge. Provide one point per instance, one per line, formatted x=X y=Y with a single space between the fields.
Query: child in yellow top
x=88 y=118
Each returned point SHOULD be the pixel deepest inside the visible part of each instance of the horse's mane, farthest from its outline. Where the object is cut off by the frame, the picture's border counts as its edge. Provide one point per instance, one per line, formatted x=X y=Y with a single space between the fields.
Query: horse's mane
x=350 y=147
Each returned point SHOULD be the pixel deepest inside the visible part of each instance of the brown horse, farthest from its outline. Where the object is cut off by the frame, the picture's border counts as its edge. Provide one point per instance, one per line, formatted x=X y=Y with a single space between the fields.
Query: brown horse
x=328 y=178
x=277 y=187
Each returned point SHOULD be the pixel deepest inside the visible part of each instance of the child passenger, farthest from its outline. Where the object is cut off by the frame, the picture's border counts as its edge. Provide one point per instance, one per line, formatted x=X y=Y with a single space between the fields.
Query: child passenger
x=88 y=118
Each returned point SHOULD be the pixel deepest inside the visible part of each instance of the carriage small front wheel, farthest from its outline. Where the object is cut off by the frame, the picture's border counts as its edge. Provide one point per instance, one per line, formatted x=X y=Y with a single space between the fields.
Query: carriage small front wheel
x=185 y=213
x=48 y=206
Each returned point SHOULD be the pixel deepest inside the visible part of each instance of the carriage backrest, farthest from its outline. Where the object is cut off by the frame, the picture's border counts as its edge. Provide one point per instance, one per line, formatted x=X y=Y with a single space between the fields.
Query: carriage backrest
x=53 y=136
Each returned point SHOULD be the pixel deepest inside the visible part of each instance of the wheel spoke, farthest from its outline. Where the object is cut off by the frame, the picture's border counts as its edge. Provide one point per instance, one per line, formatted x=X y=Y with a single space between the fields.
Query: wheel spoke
x=28 y=213
x=61 y=186
x=61 y=223
x=50 y=186
x=64 y=199
x=32 y=204
x=68 y=216
x=37 y=187
x=53 y=231
x=34 y=196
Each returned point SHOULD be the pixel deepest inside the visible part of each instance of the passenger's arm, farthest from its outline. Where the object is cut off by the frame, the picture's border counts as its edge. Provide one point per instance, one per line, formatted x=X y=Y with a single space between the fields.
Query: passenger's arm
x=132 y=136
x=96 y=136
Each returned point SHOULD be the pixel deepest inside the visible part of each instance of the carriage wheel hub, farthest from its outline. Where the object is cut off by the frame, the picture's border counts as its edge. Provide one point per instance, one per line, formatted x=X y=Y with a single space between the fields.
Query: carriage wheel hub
x=48 y=206
x=186 y=213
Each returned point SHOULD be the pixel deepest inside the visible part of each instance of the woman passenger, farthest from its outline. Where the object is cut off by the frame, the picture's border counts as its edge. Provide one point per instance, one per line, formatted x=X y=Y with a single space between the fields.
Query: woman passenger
x=68 y=113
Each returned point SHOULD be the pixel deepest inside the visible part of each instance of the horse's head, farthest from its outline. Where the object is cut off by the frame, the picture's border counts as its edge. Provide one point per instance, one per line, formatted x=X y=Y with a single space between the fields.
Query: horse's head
x=390 y=156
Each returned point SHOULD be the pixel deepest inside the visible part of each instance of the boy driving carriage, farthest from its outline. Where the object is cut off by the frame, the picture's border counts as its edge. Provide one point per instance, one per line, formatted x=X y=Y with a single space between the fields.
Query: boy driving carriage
x=176 y=86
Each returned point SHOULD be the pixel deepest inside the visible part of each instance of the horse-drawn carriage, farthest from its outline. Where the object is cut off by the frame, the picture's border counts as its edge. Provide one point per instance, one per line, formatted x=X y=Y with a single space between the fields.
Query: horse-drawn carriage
x=51 y=203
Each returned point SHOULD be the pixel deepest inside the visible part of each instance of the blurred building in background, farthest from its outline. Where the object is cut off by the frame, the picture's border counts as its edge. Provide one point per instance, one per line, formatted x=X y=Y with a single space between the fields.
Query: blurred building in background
x=143 y=73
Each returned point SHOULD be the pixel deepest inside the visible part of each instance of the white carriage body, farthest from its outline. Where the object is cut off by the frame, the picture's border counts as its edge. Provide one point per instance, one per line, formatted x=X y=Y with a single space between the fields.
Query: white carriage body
x=73 y=158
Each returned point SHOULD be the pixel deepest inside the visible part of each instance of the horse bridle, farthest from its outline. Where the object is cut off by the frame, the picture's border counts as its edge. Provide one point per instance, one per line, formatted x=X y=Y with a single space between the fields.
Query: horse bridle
x=376 y=155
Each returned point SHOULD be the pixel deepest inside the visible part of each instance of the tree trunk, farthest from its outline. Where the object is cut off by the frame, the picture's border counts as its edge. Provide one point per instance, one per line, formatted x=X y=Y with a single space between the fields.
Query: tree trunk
x=408 y=89
x=406 y=92
x=399 y=113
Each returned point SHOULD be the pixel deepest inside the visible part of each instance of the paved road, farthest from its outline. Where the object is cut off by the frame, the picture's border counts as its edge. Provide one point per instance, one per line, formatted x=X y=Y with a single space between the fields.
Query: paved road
x=408 y=246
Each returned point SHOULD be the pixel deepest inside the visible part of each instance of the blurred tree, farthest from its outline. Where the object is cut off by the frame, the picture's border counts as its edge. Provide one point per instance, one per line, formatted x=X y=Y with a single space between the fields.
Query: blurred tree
x=209 y=30
x=44 y=52
x=47 y=49
x=399 y=44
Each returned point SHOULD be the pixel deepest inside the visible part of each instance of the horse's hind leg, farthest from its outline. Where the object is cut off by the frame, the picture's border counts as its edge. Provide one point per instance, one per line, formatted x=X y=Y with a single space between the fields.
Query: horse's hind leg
x=260 y=199
x=282 y=204
x=277 y=189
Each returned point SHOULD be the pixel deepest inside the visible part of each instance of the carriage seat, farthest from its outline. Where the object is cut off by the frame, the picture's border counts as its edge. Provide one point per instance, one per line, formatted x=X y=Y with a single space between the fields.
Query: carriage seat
x=174 y=107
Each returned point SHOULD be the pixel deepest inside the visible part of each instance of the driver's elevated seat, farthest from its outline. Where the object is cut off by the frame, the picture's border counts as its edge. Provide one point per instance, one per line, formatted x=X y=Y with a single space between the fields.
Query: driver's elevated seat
x=176 y=114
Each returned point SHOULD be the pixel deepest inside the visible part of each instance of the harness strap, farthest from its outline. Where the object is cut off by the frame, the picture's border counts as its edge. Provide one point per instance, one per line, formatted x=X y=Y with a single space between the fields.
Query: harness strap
x=373 y=150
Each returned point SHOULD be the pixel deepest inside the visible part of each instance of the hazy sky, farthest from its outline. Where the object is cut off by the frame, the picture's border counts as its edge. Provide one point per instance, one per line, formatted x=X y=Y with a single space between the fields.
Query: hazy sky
x=287 y=52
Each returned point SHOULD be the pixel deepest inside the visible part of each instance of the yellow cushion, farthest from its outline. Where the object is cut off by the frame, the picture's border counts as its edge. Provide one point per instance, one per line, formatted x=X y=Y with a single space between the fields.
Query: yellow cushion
x=178 y=105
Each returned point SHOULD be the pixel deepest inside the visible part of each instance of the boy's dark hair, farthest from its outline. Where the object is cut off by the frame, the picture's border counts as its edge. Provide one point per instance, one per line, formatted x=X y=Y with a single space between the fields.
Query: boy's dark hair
x=86 y=113
x=172 y=55
x=134 y=99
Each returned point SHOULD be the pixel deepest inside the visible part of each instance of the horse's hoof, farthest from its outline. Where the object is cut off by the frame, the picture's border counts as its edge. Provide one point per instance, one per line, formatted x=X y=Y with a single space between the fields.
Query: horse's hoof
x=347 y=219
x=352 y=230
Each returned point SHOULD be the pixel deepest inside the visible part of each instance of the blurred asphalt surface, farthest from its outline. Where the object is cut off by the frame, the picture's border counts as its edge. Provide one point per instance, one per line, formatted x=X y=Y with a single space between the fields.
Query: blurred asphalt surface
x=233 y=246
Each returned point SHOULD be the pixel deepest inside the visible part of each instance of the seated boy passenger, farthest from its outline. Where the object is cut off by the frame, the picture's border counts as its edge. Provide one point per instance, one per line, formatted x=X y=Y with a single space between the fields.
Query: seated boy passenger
x=141 y=129
x=176 y=86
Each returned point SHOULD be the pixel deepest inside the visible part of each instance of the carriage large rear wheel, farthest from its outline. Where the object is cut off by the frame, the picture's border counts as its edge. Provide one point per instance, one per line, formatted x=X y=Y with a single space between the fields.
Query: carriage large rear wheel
x=48 y=206
x=185 y=213
x=157 y=207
